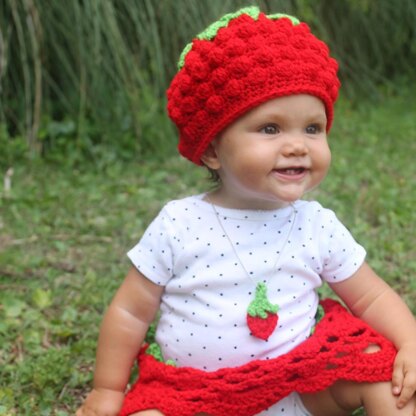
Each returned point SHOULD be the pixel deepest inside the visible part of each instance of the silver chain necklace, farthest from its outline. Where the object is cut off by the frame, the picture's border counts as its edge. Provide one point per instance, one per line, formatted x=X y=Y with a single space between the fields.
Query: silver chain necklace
x=262 y=315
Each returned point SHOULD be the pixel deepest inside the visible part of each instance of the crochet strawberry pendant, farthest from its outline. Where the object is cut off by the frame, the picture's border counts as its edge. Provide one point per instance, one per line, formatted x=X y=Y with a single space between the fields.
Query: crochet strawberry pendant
x=261 y=314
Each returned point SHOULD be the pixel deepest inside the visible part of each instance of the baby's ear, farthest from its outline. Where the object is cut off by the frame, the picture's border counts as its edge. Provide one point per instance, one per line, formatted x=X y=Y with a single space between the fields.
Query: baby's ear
x=210 y=158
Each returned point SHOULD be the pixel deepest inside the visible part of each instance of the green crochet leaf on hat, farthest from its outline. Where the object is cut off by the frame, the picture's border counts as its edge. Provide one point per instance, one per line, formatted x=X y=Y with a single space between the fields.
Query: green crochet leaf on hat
x=261 y=305
x=211 y=31
x=185 y=51
x=277 y=16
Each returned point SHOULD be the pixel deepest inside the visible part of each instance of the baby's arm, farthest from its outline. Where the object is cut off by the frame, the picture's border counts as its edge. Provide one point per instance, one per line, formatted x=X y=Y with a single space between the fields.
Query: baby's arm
x=121 y=334
x=374 y=301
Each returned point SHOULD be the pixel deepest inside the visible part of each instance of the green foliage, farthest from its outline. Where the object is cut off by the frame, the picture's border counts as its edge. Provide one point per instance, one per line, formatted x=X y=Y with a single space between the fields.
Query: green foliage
x=78 y=78
x=83 y=125
x=12 y=149
x=373 y=40
x=64 y=231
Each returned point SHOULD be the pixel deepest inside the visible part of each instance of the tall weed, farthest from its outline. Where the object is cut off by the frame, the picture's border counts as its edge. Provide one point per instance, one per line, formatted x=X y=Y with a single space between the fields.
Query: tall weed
x=105 y=66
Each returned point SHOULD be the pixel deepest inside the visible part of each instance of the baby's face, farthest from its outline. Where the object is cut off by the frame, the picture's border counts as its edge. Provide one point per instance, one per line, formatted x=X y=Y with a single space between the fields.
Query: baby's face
x=273 y=154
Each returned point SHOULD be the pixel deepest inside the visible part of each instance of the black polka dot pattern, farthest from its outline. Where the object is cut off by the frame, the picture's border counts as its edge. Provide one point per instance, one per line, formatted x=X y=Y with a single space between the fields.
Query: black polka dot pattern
x=207 y=291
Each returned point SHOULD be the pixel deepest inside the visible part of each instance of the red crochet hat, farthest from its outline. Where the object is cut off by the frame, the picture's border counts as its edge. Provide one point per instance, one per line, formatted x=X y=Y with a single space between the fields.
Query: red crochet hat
x=239 y=62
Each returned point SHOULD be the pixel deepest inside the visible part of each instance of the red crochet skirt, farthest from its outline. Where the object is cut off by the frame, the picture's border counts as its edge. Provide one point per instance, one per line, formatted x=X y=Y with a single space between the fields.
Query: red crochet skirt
x=335 y=351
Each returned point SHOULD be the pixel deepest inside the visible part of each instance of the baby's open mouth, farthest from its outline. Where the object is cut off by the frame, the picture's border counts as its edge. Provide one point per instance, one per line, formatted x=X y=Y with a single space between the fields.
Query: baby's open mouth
x=291 y=171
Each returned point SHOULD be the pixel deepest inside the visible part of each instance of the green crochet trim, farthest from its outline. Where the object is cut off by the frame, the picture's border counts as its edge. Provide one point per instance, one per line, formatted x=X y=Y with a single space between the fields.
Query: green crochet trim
x=185 y=51
x=151 y=332
x=154 y=350
x=261 y=305
x=211 y=31
x=277 y=16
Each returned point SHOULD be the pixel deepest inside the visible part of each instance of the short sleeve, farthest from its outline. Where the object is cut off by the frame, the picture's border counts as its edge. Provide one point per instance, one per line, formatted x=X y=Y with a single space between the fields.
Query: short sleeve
x=154 y=255
x=341 y=255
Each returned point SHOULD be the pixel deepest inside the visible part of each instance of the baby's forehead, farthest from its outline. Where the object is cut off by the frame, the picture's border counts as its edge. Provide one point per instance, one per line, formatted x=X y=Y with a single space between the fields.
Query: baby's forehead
x=309 y=104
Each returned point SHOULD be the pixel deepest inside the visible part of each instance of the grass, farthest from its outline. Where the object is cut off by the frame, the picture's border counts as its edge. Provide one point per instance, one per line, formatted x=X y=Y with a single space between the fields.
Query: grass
x=64 y=233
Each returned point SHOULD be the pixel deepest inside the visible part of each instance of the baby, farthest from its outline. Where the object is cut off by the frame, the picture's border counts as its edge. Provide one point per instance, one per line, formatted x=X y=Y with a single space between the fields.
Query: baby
x=234 y=271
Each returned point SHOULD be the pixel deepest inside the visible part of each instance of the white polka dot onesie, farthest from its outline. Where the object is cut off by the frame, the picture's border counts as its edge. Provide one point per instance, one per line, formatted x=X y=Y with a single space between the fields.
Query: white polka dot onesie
x=208 y=288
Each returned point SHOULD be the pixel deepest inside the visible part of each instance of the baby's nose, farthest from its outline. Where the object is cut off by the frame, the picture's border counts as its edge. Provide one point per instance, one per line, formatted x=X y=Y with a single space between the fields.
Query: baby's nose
x=295 y=146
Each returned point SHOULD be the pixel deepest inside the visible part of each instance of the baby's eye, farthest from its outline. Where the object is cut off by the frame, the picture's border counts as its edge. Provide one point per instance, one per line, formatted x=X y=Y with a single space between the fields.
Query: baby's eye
x=313 y=129
x=269 y=129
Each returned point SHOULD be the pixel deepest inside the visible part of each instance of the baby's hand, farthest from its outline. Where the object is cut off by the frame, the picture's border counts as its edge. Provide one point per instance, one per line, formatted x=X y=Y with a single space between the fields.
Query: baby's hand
x=404 y=374
x=101 y=402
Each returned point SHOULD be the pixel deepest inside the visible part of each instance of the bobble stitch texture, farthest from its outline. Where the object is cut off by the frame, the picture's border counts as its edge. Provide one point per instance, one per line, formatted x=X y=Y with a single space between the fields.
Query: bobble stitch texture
x=240 y=61
x=335 y=351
